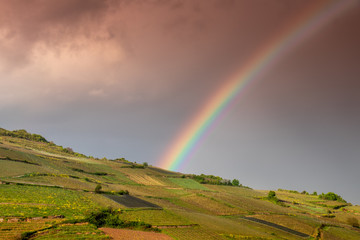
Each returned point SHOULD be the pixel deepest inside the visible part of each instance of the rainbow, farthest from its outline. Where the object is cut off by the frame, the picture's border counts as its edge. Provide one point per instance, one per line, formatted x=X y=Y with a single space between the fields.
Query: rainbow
x=302 y=27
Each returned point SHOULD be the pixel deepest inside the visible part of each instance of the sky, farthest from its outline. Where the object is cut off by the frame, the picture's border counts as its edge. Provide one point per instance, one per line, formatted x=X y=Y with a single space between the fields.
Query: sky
x=119 y=78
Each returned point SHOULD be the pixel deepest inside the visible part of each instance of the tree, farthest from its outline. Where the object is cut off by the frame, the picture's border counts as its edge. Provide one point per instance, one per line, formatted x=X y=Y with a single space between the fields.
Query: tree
x=331 y=196
x=98 y=188
x=145 y=164
x=69 y=150
x=271 y=195
x=235 y=182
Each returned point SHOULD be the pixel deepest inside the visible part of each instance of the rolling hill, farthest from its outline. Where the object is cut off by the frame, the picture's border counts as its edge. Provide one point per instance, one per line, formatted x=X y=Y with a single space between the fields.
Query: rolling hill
x=49 y=192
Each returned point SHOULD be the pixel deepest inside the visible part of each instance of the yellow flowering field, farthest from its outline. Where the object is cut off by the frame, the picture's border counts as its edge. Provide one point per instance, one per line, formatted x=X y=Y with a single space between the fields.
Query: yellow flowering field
x=37 y=201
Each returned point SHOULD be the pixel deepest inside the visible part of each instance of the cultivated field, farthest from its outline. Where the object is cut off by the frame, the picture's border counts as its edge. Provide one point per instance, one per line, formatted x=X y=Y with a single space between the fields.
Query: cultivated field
x=49 y=193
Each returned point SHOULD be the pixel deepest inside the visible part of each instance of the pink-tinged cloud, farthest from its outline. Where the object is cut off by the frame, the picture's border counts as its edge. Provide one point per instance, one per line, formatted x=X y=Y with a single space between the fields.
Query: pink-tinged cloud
x=62 y=50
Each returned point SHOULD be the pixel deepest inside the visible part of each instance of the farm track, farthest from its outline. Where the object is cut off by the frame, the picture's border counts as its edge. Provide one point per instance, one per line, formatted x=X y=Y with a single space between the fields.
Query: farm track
x=270 y=224
x=131 y=201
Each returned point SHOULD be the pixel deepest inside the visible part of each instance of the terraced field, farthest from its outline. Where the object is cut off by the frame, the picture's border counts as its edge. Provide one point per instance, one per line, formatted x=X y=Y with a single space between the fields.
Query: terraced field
x=193 y=234
x=71 y=231
x=188 y=183
x=36 y=201
x=156 y=217
x=14 y=228
x=124 y=234
x=181 y=207
x=145 y=179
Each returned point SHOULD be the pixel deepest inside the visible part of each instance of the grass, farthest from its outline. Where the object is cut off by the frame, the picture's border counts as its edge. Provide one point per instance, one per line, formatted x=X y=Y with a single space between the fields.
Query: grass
x=208 y=211
x=141 y=176
x=188 y=183
x=71 y=231
x=292 y=222
x=13 y=230
x=34 y=201
x=155 y=217
x=340 y=233
x=192 y=234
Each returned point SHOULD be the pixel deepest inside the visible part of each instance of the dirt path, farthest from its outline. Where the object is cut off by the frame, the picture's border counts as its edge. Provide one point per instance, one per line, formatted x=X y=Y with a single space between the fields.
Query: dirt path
x=125 y=234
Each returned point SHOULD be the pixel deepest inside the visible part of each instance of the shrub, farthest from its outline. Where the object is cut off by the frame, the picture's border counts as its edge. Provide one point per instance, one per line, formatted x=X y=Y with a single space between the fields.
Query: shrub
x=271 y=195
x=112 y=218
x=123 y=192
x=272 y=198
x=331 y=196
x=235 y=182
x=98 y=188
x=68 y=150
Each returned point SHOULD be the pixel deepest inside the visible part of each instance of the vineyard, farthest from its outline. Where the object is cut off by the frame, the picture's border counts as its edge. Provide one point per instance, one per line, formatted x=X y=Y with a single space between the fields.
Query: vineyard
x=46 y=193
x=36 y=201
x=188 y=183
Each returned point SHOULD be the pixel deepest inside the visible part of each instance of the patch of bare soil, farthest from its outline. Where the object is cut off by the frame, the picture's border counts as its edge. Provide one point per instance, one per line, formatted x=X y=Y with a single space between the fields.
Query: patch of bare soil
x=126 y=234
x=131 y=201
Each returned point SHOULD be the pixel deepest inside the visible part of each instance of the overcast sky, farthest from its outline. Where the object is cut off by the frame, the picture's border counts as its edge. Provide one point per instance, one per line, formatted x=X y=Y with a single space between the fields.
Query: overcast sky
x=122 y=78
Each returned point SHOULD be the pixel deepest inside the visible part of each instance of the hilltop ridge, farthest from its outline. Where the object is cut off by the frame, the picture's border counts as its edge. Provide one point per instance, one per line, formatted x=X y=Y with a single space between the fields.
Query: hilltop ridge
x=41 y=180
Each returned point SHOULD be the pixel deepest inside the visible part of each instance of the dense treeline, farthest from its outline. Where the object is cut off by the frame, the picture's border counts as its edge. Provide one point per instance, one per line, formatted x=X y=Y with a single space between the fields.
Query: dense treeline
x=22 y=134
x=332 y=196
x=215 y=180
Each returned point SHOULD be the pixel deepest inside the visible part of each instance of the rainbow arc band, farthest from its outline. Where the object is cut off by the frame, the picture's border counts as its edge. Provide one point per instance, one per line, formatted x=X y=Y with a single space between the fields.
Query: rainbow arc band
x=306 y=24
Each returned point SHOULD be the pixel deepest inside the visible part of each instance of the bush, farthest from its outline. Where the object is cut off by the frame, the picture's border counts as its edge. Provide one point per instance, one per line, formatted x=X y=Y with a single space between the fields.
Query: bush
x=112 y=218
x=123 y=192
x=271 y=195
x=331 y=196
x=235 y=182
x=272 y=198
x=98 y=188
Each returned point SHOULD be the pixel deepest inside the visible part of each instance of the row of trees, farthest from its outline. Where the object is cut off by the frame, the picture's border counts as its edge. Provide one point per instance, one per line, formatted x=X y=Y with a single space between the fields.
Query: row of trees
x=326 y=196
x=331 y=196
x=215 y=180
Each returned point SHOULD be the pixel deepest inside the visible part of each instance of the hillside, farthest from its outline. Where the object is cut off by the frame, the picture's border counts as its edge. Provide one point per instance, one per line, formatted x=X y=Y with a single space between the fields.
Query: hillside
x=49 y=192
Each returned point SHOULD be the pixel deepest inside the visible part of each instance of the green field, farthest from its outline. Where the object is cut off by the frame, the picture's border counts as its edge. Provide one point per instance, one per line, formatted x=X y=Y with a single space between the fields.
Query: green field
x=35 y=201
x=41 y=181
x=156 y=217
x=71 y=231
x=188 y=183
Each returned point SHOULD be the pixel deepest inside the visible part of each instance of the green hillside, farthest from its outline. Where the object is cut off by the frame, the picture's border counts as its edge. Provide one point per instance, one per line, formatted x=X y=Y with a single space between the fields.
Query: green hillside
x=51 y=192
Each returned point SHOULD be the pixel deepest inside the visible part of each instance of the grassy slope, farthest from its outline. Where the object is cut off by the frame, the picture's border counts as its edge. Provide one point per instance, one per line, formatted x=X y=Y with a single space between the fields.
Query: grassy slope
x=208 y=211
